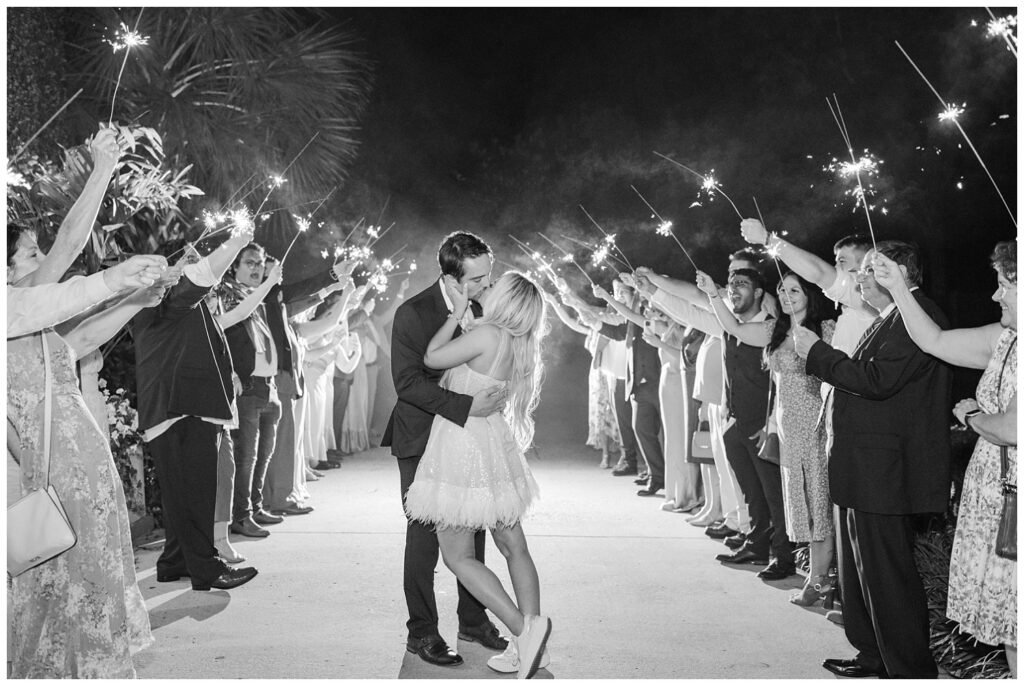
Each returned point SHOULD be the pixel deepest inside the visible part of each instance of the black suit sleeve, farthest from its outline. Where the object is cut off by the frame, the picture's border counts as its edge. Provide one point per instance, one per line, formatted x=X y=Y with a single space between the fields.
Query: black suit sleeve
x=616 y=332
x=895 y=363
x=182 y=298
x=301 y=289
x=408 y=343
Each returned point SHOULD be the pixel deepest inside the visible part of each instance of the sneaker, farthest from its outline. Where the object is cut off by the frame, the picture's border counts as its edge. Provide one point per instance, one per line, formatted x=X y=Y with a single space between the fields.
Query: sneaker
x=531 y=644
x=508 y=662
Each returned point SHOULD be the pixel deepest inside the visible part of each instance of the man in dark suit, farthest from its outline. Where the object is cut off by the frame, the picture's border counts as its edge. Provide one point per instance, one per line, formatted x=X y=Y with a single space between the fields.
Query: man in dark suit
x=186 y=399
x=888 y=461
x=468 y=260
x=643 y=374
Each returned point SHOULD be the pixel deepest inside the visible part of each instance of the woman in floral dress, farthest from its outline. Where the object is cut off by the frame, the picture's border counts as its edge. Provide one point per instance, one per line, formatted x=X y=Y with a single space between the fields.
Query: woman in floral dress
x=982 y=584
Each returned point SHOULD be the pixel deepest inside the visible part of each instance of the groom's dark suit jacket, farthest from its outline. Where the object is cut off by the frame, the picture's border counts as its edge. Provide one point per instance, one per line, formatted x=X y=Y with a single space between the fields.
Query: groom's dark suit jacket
x=890 y=419
x=419 y=395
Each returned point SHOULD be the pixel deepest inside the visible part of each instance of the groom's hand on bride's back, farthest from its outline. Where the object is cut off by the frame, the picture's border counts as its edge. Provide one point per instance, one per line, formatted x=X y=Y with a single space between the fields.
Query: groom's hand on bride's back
x=488 y=401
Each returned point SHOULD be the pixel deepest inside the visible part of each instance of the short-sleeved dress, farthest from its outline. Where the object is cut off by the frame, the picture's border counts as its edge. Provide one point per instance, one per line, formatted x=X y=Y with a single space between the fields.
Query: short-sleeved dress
x=802 y=444
x=473 y=476
x=982 y=585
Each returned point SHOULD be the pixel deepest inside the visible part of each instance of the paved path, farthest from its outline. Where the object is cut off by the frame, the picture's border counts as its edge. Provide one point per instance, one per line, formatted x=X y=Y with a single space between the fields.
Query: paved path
x=633 y=592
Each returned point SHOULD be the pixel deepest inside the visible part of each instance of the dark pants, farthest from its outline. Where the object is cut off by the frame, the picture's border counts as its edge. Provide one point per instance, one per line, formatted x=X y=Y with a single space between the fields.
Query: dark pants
x=624 y=417
x=258 y=414
x=185 y=457
x=342 y=387
x=647 y=427
x=761 y=483
x=421 y=556
x=885 y=609
x=281 y=470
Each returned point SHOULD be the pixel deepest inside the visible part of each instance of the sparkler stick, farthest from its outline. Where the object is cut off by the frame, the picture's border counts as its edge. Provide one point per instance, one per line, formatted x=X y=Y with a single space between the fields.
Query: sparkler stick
x=279 y=179
x=354 y=228
x=665 y=229
x=1002 y=27
x=392 y=256
x=709 y=183
x=775 y=258
x=837 y=114
x=379 y=236
x=952 y=114
x=303 y=226
x=130 y=39
x=601 y=254
x=609 y=239
x=568 y=256
x=43 y=127
x=533 y=255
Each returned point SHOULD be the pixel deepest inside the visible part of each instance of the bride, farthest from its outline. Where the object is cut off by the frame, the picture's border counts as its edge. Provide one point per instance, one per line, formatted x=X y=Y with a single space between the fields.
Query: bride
x=476 y=477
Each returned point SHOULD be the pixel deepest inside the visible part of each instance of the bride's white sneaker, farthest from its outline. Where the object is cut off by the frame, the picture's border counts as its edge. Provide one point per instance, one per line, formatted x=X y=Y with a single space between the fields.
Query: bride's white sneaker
x=508 y=662
x=531 y=644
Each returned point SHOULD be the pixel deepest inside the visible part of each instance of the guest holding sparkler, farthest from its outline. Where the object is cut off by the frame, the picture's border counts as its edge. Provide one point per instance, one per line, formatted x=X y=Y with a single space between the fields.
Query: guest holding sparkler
x=889 y=418
x=643 y=371
x=982 y=582
x=808 y=510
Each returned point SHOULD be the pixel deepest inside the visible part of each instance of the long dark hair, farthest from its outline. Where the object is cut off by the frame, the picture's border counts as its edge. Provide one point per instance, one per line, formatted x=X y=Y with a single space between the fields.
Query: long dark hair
x=812 y=319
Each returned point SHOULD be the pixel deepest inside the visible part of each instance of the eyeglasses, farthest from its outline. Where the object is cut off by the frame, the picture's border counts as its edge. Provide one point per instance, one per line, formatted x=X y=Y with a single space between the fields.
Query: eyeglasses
x=252 y=264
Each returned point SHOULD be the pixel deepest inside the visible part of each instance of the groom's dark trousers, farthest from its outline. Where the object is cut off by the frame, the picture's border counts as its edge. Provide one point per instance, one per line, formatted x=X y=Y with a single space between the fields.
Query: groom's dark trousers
x=420 y=398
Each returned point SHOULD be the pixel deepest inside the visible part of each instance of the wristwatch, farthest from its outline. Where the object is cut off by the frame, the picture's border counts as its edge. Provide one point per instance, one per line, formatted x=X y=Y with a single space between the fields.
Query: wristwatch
x=967 y=418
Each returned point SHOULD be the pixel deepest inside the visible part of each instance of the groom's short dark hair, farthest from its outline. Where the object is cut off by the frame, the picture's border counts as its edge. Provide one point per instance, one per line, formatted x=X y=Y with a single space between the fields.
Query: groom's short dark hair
x=456 y=247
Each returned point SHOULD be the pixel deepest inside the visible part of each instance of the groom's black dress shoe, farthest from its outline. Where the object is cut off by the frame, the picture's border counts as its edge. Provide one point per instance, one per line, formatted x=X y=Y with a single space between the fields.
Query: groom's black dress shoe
x=232 y=578
x=624 y=471
x=852 y=669
x=719 y=532
x=486 y=635
x=777 y=570
x=434 y=650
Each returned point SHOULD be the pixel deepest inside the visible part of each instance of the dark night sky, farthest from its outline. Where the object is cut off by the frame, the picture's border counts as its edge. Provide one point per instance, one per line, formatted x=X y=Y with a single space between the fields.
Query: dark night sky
x=503 y=120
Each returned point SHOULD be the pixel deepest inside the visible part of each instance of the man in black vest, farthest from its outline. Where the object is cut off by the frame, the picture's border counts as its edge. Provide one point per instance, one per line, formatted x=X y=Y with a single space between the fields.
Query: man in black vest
x=186 y=399
x=468 y=259
x=889 y=461
x=746 y=398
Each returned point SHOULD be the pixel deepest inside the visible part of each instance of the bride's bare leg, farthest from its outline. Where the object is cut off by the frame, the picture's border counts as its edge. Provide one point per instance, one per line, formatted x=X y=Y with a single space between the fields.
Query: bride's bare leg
x=459 y=555
x=512 y=544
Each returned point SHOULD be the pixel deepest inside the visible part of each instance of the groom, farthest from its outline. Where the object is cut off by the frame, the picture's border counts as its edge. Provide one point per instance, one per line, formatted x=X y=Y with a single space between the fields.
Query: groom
x=467 y=259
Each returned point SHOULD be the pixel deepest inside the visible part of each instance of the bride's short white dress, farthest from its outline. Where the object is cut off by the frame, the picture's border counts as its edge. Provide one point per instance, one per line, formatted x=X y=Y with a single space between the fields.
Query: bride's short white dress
x=475 y=476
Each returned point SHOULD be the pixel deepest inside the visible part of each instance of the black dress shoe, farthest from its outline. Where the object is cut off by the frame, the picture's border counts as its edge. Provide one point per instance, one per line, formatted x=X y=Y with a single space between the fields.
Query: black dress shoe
x=486 y=635
x=650 y=490
x=851 y=669
x=167 y=575
x=624 y=471
x=642 y=481
x=293 y=509
x=743 y=556
x=719 y=532
x=775 y=571
x=735 y=542
x=434 y=650
x=263 y=517
x=233 y=578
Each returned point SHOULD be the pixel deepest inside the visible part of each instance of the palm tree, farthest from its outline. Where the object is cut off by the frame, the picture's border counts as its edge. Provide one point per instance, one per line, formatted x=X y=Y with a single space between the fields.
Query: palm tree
x=235 y=91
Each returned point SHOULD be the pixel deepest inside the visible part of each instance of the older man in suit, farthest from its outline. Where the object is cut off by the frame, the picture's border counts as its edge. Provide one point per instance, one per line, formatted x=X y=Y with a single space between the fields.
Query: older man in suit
x=468 y=259
x=186 y=391
x=889 y=461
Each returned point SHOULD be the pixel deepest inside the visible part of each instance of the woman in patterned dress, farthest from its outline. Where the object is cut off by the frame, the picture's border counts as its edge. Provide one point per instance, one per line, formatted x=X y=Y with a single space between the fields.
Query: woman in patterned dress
x=982 y=585
x=797 y=405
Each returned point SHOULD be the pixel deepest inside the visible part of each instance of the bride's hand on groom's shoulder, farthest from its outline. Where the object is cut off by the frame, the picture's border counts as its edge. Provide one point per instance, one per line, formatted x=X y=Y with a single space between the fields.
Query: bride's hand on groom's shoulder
x=488 y=401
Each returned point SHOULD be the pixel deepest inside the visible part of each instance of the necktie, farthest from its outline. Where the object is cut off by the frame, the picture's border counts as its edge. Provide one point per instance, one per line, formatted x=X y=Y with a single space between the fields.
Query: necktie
x=869 y=332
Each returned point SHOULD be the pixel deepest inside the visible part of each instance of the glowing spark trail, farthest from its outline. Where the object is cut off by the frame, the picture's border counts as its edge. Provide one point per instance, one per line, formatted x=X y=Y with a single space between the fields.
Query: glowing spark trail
x=606 y=234
x=837 y=114
x=963 y=133
x=567 y=257
x=126 y=41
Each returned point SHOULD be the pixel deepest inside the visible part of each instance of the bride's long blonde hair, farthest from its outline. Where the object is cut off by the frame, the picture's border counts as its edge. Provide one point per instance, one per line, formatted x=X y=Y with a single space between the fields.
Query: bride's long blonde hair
x=514 y=304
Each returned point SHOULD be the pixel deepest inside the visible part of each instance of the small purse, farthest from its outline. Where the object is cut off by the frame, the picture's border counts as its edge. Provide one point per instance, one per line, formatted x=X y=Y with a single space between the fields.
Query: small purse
x=1006 y=536
x=700 y=444
x=38 y=529
x=770 y=451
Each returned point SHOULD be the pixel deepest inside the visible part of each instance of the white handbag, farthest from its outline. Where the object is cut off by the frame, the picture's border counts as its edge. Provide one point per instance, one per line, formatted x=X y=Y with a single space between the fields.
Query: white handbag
x=38 y=529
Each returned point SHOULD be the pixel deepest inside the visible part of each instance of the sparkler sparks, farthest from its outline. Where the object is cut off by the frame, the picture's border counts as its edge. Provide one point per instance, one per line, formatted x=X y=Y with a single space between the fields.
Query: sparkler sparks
x=1002 y=27
x=241 y=222
x=338 y=252
x=324 y=253
x=599 y=255
x=126 y=39
x=277 y=181
x=664 y=229
x=952 y=113
x=302 y=223
x=867 y=166
x=14 y=177
x=412 y=267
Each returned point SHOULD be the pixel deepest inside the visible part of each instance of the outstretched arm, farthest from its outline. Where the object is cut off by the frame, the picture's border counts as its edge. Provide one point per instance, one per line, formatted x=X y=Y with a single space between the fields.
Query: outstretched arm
x=626 y=312
x=77 y=226
x=248 y=305
x=751 y=333
x=566 y=318
x=808 y=265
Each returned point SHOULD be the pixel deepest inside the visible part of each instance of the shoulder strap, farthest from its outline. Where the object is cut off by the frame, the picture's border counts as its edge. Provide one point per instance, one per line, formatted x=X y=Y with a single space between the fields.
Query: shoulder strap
x=47 y=406
x=502 y=335
x=1004 y=457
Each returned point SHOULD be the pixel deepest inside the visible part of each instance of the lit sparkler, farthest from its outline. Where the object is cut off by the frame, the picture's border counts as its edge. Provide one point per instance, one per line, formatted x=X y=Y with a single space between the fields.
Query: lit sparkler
x=412 y=266
x=302 y=225
x=609 y=238
x=773 y=251
x=867 y=165
x=601 y=253
x=665 y=227
x=963 y=133
x=1005 y=28
x=241 y=222
x=14 y=177
x=708 y=182
x=324 y=253
x=567 y=257
x=855 y=167
x=952 y=112
x=126 y=40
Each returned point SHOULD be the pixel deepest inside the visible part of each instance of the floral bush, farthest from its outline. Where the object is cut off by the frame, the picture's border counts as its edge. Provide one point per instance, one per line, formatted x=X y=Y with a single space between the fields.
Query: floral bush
x=125 y=443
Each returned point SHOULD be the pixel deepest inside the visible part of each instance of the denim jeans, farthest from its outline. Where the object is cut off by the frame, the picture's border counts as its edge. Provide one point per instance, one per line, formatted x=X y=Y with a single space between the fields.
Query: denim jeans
x=259 y=411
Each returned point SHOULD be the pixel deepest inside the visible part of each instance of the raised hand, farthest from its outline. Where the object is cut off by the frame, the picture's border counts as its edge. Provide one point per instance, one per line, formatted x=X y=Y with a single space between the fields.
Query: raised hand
x=139 y=271
x=404 y=286
x=888 y=273
x=628 y=279
x=275 y=274
x=643 y=285
x=601 y=293
x=105 y=149
x=344 y=268
x=706 y=284
x=803 y=340
x=754 y=232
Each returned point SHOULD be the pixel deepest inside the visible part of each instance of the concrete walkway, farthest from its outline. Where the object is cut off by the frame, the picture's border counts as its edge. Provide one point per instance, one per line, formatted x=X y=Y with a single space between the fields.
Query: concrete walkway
x=633 y=592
